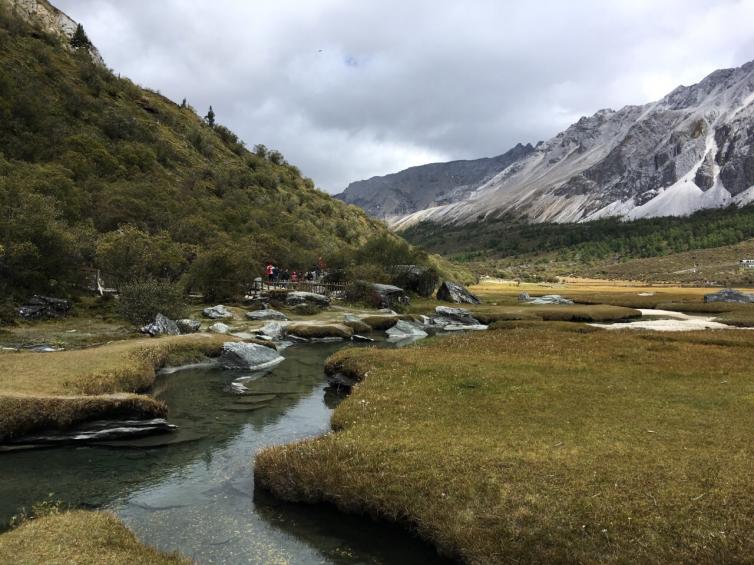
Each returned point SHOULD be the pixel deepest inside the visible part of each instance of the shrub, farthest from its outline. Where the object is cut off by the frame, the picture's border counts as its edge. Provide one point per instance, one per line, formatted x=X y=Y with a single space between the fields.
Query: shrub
x=219 y=273
x=141 y=301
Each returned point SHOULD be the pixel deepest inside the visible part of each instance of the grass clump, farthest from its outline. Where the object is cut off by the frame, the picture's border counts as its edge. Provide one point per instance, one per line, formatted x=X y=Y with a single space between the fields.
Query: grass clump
x=78 y=537
x=542 y=445
x=56 y=390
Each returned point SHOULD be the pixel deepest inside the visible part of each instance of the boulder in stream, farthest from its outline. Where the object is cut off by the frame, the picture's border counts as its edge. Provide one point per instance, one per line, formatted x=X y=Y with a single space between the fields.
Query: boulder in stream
x=446 y=314
x=251 y=356
x=403 y=329
x=273 y=330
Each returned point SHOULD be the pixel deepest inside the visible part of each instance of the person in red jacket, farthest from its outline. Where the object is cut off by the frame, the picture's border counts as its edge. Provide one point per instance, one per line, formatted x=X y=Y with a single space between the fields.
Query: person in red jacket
x=270 y=271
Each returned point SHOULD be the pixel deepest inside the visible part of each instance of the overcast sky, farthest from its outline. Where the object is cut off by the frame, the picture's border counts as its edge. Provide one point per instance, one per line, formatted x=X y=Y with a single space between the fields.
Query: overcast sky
x=348 y=89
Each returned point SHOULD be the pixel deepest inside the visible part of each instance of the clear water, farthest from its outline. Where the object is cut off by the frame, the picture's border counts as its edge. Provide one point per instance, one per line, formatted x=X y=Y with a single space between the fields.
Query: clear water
x=198 y=497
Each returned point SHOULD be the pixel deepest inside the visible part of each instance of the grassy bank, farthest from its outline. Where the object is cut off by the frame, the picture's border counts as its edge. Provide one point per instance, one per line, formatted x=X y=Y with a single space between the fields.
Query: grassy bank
x=540 y=444
x=81 y=538
x=40 y=390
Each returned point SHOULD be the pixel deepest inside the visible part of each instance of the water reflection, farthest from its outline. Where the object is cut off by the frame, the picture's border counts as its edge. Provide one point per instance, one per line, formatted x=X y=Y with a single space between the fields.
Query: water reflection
x=197 y=495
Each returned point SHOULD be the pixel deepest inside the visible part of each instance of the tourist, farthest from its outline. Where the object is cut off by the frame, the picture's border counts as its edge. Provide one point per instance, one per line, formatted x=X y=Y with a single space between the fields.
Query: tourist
x=269 y=271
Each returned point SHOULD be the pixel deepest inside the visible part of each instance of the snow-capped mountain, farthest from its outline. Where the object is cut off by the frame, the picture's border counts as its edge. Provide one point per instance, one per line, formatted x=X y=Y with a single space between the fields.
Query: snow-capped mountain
x=692 y=149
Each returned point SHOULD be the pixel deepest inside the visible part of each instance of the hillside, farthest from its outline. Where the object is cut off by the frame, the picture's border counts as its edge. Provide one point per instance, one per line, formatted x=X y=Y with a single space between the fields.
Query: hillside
x=691 y=150
x=98 y=172
x=655 y=249
x=434 y=184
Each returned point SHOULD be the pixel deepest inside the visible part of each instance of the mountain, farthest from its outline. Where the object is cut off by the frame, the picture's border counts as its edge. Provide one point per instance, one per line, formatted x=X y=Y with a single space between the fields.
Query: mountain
x=421 y=187
x=97 y=172
x=691 y=150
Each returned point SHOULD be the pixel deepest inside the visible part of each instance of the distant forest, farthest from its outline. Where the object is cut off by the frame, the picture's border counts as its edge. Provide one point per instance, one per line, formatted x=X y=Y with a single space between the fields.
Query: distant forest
x=609 y=238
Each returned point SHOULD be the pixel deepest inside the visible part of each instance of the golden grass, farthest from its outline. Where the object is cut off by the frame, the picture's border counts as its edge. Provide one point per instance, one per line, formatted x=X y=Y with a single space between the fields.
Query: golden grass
x=538 y=445
x=39 y=390
x=81 y=538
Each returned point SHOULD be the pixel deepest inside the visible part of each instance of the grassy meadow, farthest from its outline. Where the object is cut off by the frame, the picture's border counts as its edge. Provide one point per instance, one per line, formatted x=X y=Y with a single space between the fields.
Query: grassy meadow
x=543 y=442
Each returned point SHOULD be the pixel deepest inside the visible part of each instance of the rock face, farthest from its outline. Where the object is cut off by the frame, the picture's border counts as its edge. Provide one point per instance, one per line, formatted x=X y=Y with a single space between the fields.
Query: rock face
x=692 y=149
x=425 y=186
x=454 y=292
x=218 y=312
x=300 y=297
x=219 y=328
x=266 y=314
x=251 y=356
x=162 y=325
x=42 y=307
x=730 y=295
x=188 y=326
x=403 y=330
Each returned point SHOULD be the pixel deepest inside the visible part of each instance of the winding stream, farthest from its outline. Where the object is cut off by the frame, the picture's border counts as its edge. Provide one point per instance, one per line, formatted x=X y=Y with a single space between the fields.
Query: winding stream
x=197 y=495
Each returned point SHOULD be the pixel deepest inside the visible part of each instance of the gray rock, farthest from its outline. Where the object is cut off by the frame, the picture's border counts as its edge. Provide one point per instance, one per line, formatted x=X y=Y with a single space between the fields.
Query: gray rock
x=404 y=329
x=266 y=314
x=188 y=326
x=550 y=299
x=219 y=328
x=162 y=325
x=301 y=297
x=448 y=315
x=42 y=307
x=386 y=295
x=273 y=330
x=524 y=297
x=251 y=356
x=453 y=327
x=218 y=312
x=361 y=338
x=454 y=292
x=730 y=295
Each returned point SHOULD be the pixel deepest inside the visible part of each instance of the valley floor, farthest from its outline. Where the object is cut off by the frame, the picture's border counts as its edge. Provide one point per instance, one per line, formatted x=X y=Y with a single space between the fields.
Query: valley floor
x=546 y=441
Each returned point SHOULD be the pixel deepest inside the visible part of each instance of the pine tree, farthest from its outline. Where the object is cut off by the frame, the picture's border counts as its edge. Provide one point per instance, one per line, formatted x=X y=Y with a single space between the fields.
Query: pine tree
x=79 y=39
x=210 y=117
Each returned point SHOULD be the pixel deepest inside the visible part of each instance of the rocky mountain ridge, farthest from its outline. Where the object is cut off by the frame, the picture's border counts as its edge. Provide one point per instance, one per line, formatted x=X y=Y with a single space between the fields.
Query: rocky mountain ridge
x=691 y=150
x=424 y=186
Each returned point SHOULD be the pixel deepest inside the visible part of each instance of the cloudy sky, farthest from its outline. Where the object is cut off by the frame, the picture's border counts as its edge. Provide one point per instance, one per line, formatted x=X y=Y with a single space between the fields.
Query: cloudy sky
x=348 y=89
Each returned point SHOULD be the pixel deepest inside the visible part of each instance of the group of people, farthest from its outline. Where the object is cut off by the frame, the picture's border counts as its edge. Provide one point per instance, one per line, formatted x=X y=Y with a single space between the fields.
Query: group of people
x=275 y=275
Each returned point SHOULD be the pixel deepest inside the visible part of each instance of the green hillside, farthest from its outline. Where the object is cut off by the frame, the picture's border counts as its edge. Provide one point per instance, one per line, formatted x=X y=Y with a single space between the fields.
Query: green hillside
x=97 y=172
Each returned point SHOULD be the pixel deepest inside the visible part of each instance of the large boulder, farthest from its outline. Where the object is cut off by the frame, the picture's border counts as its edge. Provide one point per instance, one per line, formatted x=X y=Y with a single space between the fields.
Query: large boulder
x=550 y=299
x=730 y=295
x=454 y=292
x=403 y=330
x=162 y=325
x=421 y=280
x=219 y=328
x=387 y=295
x=273 y=330
x=188 y=326
x=218 y=312
x=266 y=314
x=42 y=307
x=380 y=321
x=301 y=297
x=248 y=356
x=319 y=330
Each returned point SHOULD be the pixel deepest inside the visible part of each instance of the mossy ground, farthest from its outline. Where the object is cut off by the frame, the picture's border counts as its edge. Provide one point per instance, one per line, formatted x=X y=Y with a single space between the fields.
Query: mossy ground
x=82 y=538
x=542 y=443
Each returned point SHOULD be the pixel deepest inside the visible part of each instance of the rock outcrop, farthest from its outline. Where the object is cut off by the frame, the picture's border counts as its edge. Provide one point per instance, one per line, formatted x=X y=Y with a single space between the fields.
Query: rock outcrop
x=454 y=292
x=730 y=295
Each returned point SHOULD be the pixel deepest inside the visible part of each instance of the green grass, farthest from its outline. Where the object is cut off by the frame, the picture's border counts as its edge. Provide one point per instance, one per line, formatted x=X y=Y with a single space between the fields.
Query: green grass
x=543 y=444
x=42 y=390
x=83 y=538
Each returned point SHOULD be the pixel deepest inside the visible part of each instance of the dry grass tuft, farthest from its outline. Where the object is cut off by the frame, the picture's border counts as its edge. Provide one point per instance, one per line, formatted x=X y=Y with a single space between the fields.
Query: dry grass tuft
x=78 y=538
x=542 y=445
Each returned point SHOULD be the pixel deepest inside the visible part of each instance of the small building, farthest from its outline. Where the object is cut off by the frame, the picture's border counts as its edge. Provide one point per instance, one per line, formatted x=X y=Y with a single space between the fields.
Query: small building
x=746 y=263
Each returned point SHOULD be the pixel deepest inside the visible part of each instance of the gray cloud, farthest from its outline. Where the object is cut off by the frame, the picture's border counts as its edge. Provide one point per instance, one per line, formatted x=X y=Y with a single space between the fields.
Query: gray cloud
x=349 y=89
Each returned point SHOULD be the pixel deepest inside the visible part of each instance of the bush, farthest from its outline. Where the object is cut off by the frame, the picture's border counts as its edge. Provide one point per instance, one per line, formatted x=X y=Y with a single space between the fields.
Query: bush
x=219 y=273
x=141 y=301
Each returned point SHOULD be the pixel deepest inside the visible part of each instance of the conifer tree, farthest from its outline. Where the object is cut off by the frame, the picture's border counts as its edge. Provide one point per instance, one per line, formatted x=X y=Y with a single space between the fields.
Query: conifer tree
x=210 y=117
x=79 y=39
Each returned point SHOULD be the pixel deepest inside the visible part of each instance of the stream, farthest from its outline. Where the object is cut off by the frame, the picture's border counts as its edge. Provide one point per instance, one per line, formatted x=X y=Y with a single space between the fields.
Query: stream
x=197 y=495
